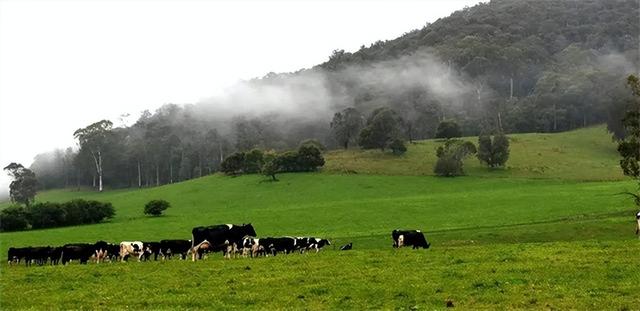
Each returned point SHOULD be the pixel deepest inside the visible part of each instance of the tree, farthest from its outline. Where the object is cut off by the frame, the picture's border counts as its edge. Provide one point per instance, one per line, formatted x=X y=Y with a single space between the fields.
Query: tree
x=156 y=207
x=448 y=129
x=309 y=158
x=397 y=146
x=23 y=187
x=629 y=147
x=271 y=168
x=494 y=153
x=383 y=126
x=94 y=138
x=233 y=164
x=451 y=156
x=253 y=161
x=346 y=125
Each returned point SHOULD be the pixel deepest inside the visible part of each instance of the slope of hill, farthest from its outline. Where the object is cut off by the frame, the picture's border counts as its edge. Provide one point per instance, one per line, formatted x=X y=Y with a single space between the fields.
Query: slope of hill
x=585 y=154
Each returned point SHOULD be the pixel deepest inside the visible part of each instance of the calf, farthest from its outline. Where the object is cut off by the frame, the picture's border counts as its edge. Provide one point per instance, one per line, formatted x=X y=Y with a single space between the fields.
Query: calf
x=347 y=247
x=317 y=244
x=134 y=248
x=168 y=248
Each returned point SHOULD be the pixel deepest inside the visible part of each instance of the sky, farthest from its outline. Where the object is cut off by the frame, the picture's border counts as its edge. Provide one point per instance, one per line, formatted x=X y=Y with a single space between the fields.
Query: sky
x=67 y=64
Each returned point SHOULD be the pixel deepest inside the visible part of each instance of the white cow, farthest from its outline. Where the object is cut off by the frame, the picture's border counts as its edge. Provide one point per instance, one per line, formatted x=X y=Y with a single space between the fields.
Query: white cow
x=134 y=248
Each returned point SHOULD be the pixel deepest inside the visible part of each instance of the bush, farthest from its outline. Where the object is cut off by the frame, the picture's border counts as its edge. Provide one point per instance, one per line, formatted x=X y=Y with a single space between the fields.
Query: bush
x=448 y=129
x=156 y=207
x=451 y=156
x=46 y=215
x=309 y=158
x=397 y=146
x=233 y=164
x=13 y=218
x=493 y=153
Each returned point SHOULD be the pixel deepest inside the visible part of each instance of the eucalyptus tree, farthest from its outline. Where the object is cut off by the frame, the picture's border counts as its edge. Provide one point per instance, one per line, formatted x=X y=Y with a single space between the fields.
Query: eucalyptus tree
x=94 y=138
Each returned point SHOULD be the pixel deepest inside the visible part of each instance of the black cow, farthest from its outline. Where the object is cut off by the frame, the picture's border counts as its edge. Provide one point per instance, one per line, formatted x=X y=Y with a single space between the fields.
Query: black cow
x=347 y=247
x=415 y=239
x=55 y=254
x=77 y=251
x=169 y=248
x=149 y=248
x=104 y=250
x=220 y=236
x=16 y=254
x=275 y=245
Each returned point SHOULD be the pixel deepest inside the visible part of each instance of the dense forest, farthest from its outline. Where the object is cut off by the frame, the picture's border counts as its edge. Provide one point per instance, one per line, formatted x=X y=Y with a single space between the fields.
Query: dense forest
x=506 y=65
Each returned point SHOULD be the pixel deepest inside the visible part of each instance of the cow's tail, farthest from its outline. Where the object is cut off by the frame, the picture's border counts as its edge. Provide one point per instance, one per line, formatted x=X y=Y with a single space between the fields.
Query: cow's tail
x=193 y=241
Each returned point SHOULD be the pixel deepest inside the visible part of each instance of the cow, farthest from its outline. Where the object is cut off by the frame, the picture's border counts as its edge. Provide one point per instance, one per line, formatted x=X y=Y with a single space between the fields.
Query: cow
x=414 y=239
x=149 y=248
x=168 y=248
x=275 y=245
x=80 y=251
x=55 y=255
x=308 y=243
x=202 y=248
x=16 y=254
x=103 y=250
x=395 y=234
x=346 y=247
x=638 y=226
x=220 y=236
x=39 y=255
x=135 y=248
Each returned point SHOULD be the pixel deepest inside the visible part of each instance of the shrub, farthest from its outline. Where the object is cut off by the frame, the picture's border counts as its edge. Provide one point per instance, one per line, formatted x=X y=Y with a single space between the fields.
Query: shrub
x=233 y=164
x=494 y=153
x=46 y=215
x=397 y=146
x=156 y=207
x=448 y=129
x=253 y=161
x=309 y=158
x=13 y=218
x=451 y=156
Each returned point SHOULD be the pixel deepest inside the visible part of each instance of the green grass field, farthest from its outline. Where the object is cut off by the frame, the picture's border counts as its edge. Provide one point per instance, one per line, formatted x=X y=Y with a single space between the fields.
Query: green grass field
x=558 y=238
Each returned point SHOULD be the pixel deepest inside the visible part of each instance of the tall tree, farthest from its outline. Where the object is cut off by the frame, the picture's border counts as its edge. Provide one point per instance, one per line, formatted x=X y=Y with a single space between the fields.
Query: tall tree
x=94 y=138
x=383 y=127
x=23 y=187
x=629 y=147
x=494 y=153
x=346 y=125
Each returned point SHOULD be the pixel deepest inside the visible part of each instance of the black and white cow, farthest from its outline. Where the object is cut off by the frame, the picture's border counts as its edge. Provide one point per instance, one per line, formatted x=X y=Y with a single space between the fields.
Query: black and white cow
x=150 y=248
x=168 y=248
x=395 y=235
x=220 y=236
x=413 y=238
x=133 y=248
x=308 y=243
x=104 y=250
x=347 y=247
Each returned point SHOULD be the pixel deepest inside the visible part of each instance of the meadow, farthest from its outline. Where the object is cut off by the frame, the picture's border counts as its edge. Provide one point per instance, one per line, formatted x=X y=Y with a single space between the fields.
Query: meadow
x=505 y=239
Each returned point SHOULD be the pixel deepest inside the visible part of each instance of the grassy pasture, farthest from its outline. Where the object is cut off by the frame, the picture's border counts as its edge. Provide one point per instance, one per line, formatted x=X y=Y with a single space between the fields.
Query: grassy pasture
x=553 y=238
x=586 y=154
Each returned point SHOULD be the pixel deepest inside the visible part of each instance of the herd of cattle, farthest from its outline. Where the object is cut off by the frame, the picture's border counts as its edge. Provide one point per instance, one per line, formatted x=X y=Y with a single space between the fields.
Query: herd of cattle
x=232 y=240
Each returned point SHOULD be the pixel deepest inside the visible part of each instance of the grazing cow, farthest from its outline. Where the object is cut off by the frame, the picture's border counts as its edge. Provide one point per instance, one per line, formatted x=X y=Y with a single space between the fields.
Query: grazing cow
x=202 y=248
x=638 y=227
x=55 y=255
x=275 y=245
x=217 y=235
x=317 y=244
x=103 y=250
x=168 y=248
x=149 y=248
x=135 y=248
x=39 y=255
x=414 y=239
x=79 y=251
x=346 y=247
x=395 y=234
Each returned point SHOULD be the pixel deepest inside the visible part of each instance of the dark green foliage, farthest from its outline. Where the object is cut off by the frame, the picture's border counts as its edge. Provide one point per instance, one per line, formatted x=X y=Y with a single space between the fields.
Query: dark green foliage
x=383 y=126
x=53 y=214
x=397 y=146
x=309 y=158
x=156 y=207
x=493 y=153
x=346 y=125
x=448 y=129
x=13 y=218
x=233 y=164
x=253 y=161
x=451 y=156
x=629 y=147
x=271 y=168
x=23 y=187
x=313 y=142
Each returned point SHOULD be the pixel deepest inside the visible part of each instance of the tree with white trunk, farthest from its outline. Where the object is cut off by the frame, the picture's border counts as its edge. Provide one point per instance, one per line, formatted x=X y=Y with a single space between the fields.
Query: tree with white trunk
x=94 y=138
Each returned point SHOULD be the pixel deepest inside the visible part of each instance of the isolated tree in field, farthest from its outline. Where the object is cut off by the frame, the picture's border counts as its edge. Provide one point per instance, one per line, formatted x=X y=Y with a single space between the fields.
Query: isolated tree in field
x=448 y=129
x=451 y=156
x=629 y=147
x=253 y=161
x=156 y=207
x=383 y=126
x=346 y=125
x=494 y=153
x=271 y=168
x=310 y=157
x=23 y=187
x=94 y=138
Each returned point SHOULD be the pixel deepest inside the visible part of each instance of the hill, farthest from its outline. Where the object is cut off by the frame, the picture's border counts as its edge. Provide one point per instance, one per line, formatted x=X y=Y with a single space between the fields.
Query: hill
x=585 y=154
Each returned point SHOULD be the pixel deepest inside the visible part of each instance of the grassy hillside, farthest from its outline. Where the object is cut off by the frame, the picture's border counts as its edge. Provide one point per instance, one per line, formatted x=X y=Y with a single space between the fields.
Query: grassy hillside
x=585 y=154
x=551 y=241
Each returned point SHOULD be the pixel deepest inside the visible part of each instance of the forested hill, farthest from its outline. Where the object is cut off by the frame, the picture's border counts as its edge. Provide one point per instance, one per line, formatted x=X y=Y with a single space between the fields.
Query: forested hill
x=511 y=65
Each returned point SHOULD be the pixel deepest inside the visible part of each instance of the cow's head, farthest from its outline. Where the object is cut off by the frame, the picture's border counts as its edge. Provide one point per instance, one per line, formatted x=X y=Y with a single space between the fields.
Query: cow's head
x=248 y=229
